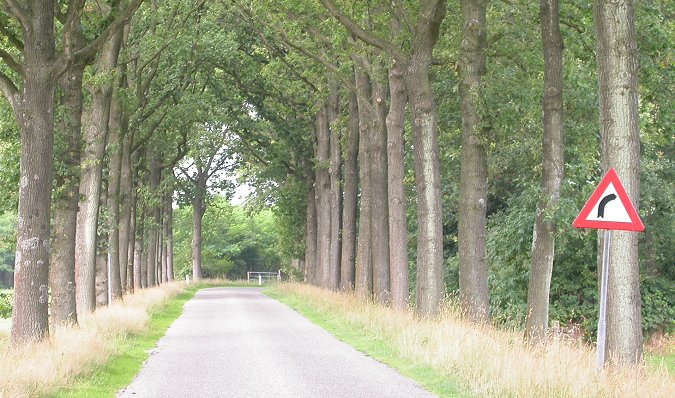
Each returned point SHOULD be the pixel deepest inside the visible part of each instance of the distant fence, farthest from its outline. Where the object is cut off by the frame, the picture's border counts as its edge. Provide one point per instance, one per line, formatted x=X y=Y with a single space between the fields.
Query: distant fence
x=263 y=277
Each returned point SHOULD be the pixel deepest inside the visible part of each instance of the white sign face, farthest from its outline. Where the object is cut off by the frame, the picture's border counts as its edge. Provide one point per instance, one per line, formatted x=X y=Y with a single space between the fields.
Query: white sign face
x=609 y=208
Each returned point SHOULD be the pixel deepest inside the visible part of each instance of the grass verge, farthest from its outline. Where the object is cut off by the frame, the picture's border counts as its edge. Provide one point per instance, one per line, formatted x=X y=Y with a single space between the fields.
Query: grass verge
x=376 y=346
x=130 y=354
x=474 y=360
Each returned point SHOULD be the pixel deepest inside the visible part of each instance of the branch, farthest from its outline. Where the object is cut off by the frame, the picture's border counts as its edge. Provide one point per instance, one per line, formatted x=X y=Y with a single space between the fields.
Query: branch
x=15 y=9
x=11 y=62
x=362 y=34
x=181 y=151
x=272 y=48
x=92 y=48
x=399 y=12
x=16 y=42
x=152 y=129
x=9 y=89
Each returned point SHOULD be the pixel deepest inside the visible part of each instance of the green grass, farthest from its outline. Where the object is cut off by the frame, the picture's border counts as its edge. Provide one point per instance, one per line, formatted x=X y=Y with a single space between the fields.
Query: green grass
x=376 y=347
x=131 y=353
x=656 y=361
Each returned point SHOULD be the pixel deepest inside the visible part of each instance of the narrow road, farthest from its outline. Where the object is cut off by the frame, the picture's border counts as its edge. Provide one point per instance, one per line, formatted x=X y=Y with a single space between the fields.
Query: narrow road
x=237 y=342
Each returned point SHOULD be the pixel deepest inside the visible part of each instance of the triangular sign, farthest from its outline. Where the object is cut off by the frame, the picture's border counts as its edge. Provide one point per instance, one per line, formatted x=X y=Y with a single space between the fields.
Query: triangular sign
x=609 y=207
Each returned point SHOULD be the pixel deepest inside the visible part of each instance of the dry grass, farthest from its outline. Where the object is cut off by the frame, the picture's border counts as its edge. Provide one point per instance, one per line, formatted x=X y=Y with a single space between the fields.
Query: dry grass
x=37 y=369
x=491 y=362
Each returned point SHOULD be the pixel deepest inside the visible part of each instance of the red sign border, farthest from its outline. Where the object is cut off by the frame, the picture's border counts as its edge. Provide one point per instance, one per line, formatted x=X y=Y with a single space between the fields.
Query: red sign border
x=613 y=178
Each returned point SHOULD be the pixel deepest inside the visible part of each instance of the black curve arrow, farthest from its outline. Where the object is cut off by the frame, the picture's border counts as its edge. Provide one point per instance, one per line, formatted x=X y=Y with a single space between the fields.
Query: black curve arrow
x=603 y=203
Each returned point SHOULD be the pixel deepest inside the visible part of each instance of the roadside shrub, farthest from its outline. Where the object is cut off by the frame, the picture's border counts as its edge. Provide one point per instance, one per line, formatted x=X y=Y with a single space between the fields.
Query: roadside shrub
x=5 y=305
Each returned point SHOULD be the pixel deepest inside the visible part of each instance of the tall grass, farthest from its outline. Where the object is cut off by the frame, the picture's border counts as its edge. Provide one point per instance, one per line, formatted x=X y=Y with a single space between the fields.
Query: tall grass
x=40 y=368
x=488 y=361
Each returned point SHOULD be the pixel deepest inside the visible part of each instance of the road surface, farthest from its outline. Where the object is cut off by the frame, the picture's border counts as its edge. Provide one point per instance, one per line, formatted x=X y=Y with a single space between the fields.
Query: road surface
x=237 y=342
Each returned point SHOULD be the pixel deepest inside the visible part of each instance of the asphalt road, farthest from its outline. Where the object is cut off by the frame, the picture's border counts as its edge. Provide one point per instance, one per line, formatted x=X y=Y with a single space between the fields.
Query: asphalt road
x=237 y=342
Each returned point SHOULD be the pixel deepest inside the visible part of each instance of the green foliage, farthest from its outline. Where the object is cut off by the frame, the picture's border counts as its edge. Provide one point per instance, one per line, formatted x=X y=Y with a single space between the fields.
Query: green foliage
x=233 y=242
x=658 y=308
x=5 y=304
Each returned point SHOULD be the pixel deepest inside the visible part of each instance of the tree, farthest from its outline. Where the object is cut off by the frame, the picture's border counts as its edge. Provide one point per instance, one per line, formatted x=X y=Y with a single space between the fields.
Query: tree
x=415 y=61
x=617 y=65
x=543 y=240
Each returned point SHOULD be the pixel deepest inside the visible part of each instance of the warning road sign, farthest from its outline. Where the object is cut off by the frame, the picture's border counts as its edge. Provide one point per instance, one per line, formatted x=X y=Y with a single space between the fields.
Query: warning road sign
x=609 y=207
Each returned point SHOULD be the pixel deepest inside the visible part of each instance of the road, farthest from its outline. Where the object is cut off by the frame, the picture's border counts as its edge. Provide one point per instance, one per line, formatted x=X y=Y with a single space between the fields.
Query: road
x=237 y=342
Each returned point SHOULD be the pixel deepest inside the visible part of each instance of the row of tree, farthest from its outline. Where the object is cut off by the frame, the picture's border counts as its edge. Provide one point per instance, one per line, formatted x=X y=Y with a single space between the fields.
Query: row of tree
x=406 y=150
x=103 y=107
x=389 y=48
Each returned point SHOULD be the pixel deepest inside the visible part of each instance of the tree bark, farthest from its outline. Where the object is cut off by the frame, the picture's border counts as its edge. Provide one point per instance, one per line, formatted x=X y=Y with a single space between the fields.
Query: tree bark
x=155 y=222
x=473 y=285
x=617 y=65
x=95 y=134
x=349 y=210
x=379 y=190
x=198 y=207
x=323 y=205
x=398 y=224
x=430 y=289
x=138 y=249
x=126 y=224
x=335 y=175
x=34 y=112
x=63 y=308
x=543 y=238
x=168 y=235
x=364 y=265
x=117 y=132
x=310 y=228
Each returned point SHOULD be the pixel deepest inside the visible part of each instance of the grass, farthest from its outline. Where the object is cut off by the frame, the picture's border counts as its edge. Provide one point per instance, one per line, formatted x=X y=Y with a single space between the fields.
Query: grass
x=73 y=353
x=475 y=360
x=120 y=369
x=371 y=344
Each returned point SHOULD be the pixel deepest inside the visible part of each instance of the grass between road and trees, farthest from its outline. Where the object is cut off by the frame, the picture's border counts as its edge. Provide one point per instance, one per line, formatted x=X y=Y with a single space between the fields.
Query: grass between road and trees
x=453 y=358
x=102 y=354
x=447 y=356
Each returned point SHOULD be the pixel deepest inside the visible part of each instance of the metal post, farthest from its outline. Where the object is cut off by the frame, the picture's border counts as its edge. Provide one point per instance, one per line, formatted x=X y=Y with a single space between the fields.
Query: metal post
x=602 y=321
x=248 y=276
x=259 y=279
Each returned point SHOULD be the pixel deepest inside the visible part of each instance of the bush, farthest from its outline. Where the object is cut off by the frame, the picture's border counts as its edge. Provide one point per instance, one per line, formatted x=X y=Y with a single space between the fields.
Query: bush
x=5 y=305
x=658 y=306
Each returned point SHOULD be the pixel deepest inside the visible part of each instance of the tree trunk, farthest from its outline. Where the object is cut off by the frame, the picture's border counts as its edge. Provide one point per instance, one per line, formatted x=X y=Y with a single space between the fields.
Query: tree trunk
x=543 y=238
x=95 y=134
x=168 y=235
x=473 y=284
x=198 y=207
x=430 y=288
x=379 y=191
x=138 y=249
x=63 y=308
x=161 y=249
x=323 y=205
x=116 y=133
x=126 y=204
x=155 y=221
x=349 y=210
x=310 y=228
x=335 y=192
x=364 y=265
x=101 y=280
x=617 y=64
x=34 y=112
x=398 y=224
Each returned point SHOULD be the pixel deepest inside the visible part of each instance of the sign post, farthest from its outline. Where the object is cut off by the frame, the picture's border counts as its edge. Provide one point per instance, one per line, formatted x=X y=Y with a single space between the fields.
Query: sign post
x=604 y=211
